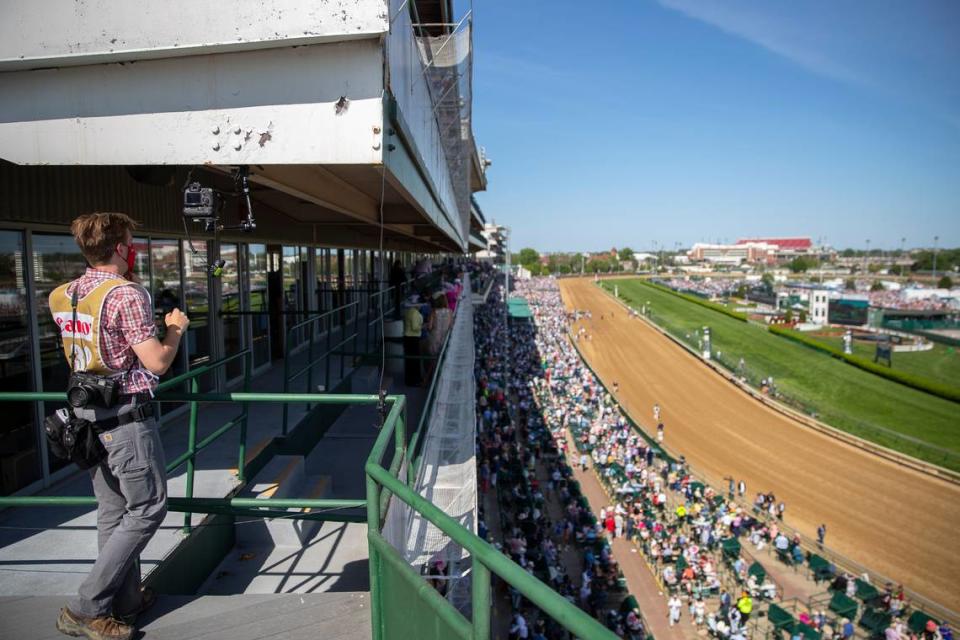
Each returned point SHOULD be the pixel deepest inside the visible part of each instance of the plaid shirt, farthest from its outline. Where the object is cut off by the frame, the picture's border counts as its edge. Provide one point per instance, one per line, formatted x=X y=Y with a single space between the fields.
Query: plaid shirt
x=127 y=320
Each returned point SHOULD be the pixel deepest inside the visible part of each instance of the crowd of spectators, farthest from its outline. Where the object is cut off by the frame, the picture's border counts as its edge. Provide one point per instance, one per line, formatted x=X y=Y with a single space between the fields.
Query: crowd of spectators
x=688 y=533
x=908 y=300
x=427 y=315
x=706 y=288
x=520 y=462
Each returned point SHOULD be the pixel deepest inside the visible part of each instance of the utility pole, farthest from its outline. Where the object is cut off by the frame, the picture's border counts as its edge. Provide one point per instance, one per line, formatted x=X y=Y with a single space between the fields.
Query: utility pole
x=506 y=241
x=935 y=238
x=820 y=257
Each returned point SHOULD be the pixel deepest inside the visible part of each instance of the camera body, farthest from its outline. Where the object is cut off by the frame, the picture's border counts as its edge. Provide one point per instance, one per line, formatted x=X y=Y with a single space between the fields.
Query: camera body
x=86 y=389
x=199 y=202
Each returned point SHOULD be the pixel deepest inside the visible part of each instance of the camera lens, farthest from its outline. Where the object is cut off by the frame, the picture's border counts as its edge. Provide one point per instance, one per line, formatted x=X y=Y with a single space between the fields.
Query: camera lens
x=78 y=396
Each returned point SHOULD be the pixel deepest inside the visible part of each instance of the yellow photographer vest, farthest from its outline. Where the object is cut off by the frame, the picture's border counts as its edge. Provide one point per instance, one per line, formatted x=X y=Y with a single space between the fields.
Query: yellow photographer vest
x=87 y=329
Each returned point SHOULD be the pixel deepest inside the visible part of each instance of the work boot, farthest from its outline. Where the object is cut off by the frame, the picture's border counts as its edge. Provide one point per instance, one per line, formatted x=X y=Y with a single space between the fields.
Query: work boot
x=102 y=628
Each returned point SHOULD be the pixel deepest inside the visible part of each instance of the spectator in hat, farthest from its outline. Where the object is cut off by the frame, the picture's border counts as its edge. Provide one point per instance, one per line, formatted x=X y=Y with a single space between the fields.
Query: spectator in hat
x=412 y=328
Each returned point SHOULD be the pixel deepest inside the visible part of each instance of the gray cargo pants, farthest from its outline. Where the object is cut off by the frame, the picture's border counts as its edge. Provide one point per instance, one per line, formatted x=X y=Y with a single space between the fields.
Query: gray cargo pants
x=131 y=490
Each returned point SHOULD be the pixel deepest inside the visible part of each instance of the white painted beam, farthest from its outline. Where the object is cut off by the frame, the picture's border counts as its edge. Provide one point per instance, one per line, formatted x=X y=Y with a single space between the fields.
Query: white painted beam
x=285 y=103
x=56 y=33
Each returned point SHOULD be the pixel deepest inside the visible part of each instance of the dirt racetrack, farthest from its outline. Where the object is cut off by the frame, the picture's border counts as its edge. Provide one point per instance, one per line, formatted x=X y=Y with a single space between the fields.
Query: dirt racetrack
x=897 y=521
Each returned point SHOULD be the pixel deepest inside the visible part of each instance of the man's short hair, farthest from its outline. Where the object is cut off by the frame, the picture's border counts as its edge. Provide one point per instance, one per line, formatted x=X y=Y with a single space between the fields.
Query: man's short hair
x=98 y=234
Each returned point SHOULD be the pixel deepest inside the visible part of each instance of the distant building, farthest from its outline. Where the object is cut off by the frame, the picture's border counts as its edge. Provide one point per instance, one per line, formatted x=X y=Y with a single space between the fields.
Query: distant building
x=819 y=306
x=495 y=236
x=764 y=251
x=784 y=249
x=733 y=254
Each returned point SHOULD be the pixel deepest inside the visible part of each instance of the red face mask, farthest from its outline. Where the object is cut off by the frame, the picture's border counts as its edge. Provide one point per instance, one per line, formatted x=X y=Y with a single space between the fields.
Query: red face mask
x=131 y=257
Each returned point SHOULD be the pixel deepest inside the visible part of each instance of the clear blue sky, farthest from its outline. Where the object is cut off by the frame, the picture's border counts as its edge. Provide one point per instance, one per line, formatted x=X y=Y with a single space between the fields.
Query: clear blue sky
x=632 y=121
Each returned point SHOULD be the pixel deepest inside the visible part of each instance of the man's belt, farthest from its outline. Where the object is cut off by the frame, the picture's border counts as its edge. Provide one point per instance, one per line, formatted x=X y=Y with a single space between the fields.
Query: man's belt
x=142 y=397
x=139 y=414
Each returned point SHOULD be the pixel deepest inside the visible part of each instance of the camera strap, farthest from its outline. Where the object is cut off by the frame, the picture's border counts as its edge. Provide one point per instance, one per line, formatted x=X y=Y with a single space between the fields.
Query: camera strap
x=74 y=301
x=139 y=414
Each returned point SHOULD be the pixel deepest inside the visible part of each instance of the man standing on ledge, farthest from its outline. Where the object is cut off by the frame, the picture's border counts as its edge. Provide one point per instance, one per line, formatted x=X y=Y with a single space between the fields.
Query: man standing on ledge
x=130 y=483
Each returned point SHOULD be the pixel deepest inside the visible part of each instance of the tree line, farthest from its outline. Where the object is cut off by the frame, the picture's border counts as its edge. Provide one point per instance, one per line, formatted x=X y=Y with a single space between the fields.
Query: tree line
x=565 y=263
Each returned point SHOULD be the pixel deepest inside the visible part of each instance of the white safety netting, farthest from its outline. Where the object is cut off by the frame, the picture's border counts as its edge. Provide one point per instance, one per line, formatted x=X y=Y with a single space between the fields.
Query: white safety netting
x=447 y=476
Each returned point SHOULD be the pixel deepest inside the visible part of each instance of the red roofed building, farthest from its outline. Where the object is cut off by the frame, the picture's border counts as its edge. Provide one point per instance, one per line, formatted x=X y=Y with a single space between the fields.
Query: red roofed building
x=753 y=250
x=795 y=244
x=786 y=248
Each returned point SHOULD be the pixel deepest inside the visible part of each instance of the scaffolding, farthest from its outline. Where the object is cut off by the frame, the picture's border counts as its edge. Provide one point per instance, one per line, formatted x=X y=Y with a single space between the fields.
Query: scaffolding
x=448 y=69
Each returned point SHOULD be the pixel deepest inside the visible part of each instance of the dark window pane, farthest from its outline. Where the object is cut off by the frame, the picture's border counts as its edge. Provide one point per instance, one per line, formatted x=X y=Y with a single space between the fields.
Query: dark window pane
x=167 y=294
x=19 y=457
x=56 y=260
x=230 y=301
x=257 y=266
x=197 y=296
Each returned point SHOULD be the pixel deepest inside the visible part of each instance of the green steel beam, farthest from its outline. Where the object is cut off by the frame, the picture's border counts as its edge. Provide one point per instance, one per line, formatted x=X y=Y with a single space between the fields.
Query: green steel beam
x=480 y=599
x=235 y=396
x=198 y=505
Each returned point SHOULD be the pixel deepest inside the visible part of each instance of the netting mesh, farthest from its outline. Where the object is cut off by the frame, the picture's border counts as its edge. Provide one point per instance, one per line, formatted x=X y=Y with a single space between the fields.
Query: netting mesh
x=447 y=476
x=449 y=60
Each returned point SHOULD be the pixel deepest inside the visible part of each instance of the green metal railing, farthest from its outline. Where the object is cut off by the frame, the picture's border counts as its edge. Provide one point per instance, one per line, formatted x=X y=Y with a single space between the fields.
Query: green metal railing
x=314 y=324
x=399 y=593
x=391 y=615
x=193 y=447
x=321 y=509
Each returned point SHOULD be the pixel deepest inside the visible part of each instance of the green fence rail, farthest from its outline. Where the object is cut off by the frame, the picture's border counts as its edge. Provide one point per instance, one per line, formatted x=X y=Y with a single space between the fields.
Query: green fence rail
x=399 y=593
x=391 y=607
x=188 y=504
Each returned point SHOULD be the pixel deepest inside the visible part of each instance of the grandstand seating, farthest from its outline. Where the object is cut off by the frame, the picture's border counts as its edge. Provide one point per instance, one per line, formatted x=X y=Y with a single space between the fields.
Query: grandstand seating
x=917 y=621
x=820 y=568
x=780 y=618
x=843 y=606
x=875 y=621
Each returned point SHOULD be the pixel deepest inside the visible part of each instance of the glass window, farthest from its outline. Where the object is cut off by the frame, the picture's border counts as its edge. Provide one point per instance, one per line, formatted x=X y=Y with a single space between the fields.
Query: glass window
x=167 y=294
x=197 y=297
x=19 y=456
x=260 y=322
x=56 y=260
x=292 y=291
x=348 y=266
x=230 y=302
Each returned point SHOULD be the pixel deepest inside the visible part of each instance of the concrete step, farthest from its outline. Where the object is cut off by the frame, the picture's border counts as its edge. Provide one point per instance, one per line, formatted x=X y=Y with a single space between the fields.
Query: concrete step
x=296 y=533
x=334 y=559
x=283 y=477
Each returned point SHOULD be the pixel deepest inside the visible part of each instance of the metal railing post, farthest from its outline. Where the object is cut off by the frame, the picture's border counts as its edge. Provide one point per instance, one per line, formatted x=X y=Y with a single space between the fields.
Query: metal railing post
x=326 y=364
x=356 y=331
x=343 y=333
x=309 y=388
x=480 y=600
x=286 y=381
x=192 y=451
x=376 y=589
x=242 y=460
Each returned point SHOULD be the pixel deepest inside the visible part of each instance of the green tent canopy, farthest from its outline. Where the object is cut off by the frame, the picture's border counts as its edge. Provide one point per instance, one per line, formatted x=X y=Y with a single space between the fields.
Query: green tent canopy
x=519 y=309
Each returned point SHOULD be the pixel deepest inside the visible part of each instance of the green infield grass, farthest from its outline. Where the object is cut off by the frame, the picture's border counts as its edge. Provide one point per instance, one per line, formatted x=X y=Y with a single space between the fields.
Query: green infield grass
x=941 y=364
x=867 y=405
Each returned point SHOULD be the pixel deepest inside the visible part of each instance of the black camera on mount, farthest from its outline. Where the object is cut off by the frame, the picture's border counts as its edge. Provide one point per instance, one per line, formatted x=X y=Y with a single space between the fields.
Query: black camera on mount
x=200 y=203
x=86 y=389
